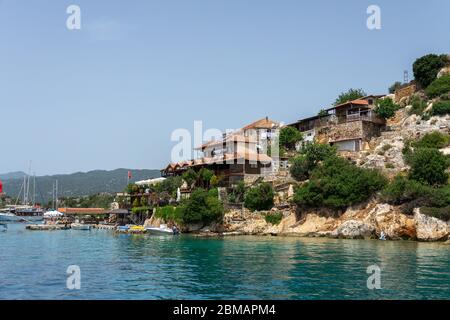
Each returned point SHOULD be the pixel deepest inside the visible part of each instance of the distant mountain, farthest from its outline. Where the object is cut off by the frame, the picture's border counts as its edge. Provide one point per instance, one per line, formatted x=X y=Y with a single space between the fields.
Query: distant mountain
x=12 y=175
x=76 y=184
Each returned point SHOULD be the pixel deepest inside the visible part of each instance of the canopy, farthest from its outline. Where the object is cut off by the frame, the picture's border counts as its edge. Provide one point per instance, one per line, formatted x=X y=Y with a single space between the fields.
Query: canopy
x=53 y=214
x=150 y=181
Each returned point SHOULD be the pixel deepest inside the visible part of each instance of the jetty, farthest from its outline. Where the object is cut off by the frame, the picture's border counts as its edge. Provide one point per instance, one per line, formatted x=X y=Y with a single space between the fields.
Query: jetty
x=47 y=227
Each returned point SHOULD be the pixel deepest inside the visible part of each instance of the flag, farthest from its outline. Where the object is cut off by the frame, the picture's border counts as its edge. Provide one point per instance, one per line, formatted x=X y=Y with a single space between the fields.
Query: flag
x=129 y=175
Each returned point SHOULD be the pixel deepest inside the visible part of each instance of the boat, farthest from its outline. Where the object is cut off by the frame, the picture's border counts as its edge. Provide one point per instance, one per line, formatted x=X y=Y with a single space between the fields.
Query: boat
x=80 y=226
x=10 y=217
x=161 y=230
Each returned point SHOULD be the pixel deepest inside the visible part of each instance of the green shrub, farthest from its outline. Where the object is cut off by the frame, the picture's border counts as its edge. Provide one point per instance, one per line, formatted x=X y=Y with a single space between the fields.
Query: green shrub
x=401 y=190
x=440 y=213
x=169 y=213
x=274 y=217
x=299 y=168
x=426 y=68
x=440 y=108
x=417 y=106
x=386 y=108
x=337 y=183
x=429 y=166
x=433 y=139
x=438 y=87
x=289 y=136
x=201 y=207
x=310 y=155
x=351 y=94
x=259 y=197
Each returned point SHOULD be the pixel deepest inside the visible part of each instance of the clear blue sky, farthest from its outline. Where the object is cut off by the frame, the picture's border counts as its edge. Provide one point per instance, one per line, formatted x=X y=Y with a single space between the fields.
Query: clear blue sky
x=110 y=94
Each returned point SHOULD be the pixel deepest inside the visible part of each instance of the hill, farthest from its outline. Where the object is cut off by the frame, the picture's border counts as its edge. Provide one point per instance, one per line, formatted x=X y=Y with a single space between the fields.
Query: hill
x=76 y=184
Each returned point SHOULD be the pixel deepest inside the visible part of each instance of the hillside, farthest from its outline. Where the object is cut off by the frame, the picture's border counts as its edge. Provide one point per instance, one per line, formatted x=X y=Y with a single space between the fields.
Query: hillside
x=77 y=184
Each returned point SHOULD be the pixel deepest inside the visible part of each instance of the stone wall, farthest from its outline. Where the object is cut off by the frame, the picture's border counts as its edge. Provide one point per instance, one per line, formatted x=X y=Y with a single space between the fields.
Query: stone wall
x=342 y=131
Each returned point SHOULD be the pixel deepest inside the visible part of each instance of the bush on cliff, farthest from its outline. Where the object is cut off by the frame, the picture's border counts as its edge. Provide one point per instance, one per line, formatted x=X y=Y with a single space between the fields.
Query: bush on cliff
x=426 y=68
x=439 y=213
x=441 y=108
x=439 y=87
x=433 y=139
x=259 y=197
x=274 y=217
x=429 y=166
x=336 y=183
x=417 y=106
x=402 y=190
x=310 y=156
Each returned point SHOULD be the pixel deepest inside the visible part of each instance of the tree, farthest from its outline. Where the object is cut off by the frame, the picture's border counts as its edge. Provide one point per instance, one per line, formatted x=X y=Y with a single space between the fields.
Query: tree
x=190 y=176
x=259 y=197
x=289 y=136
x=205 y=176
x=426 y=68
x=201 y=207
x=395 y=86
x=310 y=155
x=351 y=94
x=386 y=108
x=336 y=183
x=429 y=166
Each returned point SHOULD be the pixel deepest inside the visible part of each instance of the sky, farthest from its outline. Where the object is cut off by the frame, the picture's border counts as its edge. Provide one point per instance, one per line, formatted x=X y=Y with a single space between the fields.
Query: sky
x=110 y=94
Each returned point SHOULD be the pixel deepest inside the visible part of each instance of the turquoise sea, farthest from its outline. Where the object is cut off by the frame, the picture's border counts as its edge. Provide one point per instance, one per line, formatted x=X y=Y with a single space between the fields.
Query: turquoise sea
x=33 y=265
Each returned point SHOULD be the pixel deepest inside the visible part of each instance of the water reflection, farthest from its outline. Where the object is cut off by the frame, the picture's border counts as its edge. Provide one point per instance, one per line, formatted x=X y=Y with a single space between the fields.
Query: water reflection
x=33 y=266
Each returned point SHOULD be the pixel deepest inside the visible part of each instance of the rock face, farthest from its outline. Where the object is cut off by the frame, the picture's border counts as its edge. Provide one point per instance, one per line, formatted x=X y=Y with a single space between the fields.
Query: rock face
x=354 y=229
x=430 y=228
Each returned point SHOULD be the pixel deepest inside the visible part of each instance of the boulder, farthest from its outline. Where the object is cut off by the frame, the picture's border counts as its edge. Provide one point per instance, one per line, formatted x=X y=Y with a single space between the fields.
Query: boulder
x=393 y=223
x=430 y=228
x=354 y=229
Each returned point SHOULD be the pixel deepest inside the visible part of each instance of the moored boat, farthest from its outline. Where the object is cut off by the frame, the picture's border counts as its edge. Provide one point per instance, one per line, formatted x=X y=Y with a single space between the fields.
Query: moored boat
x=161 y=230
x=80 y=226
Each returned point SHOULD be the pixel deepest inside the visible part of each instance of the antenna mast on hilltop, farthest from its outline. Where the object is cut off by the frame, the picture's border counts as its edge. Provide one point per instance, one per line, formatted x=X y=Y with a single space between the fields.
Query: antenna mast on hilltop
x=405 y=76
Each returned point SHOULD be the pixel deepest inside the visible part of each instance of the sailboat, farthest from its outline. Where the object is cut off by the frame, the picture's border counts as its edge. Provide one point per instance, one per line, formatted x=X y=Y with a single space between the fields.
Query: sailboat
x=28 y=211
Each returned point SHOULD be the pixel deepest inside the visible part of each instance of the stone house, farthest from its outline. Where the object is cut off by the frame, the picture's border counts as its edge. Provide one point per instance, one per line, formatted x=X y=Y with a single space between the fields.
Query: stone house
x=349 y=126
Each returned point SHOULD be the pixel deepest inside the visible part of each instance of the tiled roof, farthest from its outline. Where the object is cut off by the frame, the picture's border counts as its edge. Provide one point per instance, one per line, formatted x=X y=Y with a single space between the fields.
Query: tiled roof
x=264 y=123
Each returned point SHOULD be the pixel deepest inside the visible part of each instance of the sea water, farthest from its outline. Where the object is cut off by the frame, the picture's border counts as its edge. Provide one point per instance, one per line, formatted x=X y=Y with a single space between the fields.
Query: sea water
x=34 y=265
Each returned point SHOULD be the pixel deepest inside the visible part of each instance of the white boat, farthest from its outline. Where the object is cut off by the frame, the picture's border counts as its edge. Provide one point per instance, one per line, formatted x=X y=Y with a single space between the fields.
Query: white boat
x=161 y=230
x=10 y=217
x=79 y=226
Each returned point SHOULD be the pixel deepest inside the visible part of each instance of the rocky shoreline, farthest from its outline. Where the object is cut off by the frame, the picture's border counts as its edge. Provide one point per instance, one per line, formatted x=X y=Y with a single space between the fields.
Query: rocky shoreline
x=366 y=221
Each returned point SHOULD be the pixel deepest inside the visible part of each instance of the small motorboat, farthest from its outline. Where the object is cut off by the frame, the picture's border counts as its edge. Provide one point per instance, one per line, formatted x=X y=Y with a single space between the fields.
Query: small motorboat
x=161 y=230
x=123 y=228
x=79 y=226
x=382 y=236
